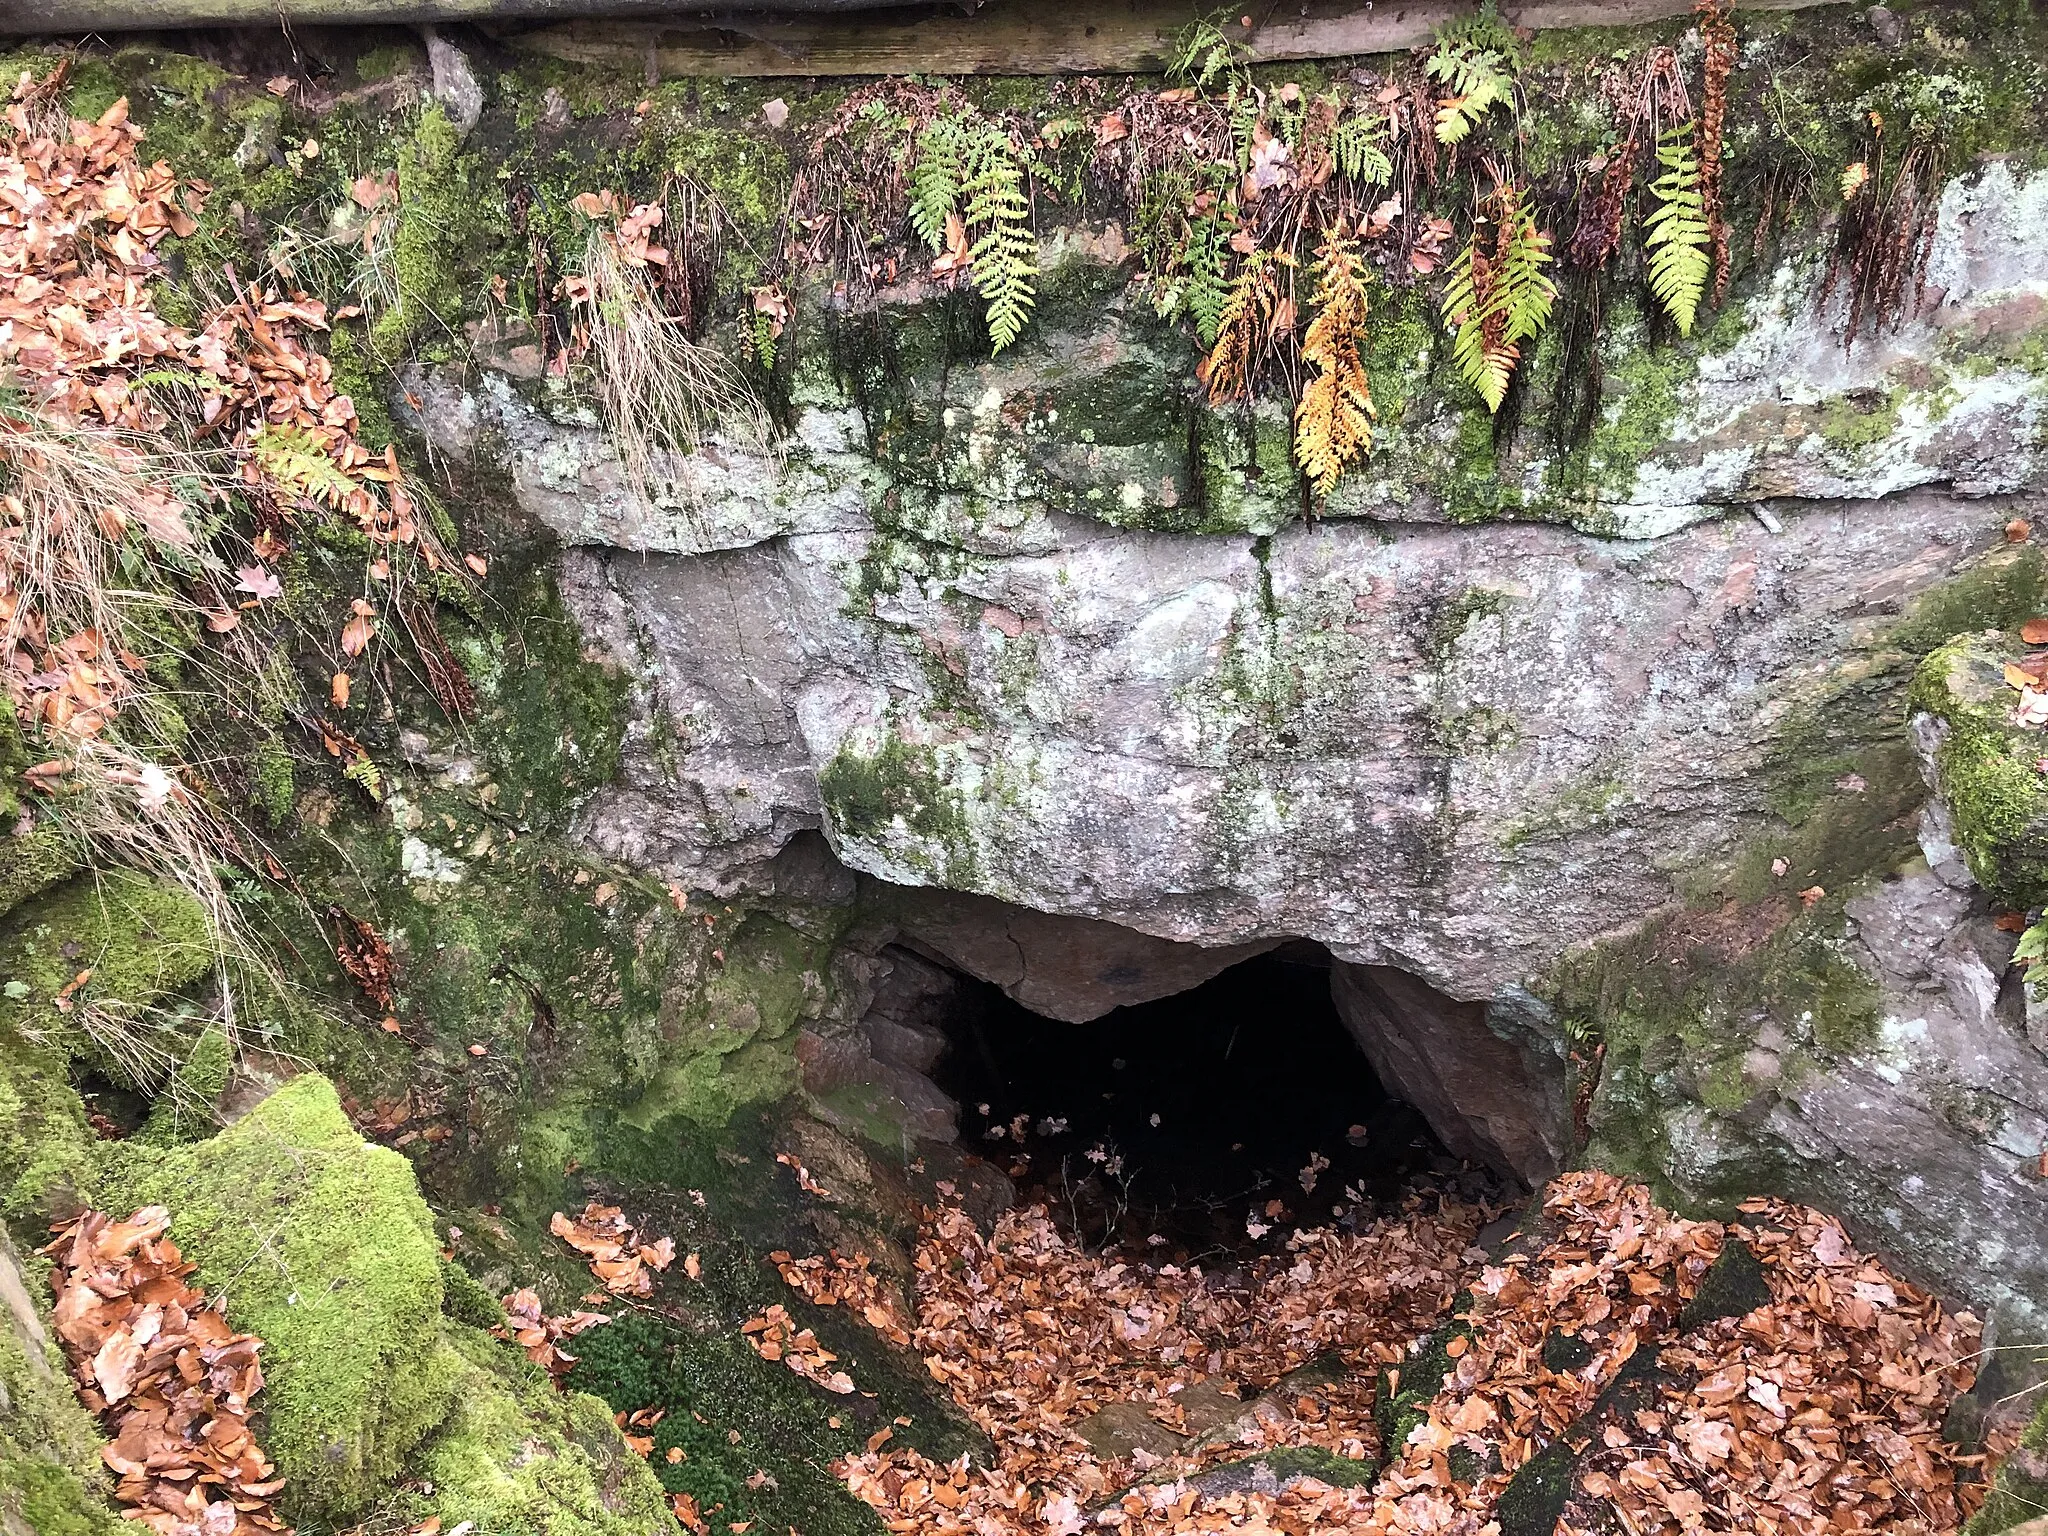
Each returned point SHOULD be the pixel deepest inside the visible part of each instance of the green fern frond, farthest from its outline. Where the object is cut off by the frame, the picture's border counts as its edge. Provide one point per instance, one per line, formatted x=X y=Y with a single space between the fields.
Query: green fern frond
x=1479 y=80
x=1495 y=300
x=1203 y=52
x=364 y=773
x=1207 y=291
x=1675 y=234
x=1003 y=259
x=937 y=177
x=298 y=461
x=1358 y=145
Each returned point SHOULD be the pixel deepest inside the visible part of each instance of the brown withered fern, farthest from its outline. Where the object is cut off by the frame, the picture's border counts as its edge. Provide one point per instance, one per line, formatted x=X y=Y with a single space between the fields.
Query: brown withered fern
x=1231 y=367
x=1333 y=422
x=1886 y=232
x=1717 y=29
x=1647 y=97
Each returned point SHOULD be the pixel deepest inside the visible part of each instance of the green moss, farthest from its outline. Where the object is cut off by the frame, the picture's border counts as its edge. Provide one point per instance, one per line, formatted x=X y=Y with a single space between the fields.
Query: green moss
x=1860 y=419
x=130 y=938
x=1733 y=1286
x=185 y=1108
x=1997 y=796
x=1535 y=1496
x=715 y=1388
x=867 y=795
x=51 y=1477
x=451 y=214
x=273 y=780
x=464 y=1300
x=518 y=1458
x=2020 y=1492
x=1323 y=1465
x=49 y=1157
x=1404 y=1392
x=392 y=59
x=320 y=1245
x=357 y=375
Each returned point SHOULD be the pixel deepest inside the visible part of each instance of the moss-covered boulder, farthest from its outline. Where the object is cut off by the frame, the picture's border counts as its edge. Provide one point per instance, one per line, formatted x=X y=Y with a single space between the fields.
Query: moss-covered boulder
x=51 y=1480
x=1986 y=766
x=2020 y=1492
x=321 y=1246
x=114 y=941
x=518 y=1458
x=47 y=1150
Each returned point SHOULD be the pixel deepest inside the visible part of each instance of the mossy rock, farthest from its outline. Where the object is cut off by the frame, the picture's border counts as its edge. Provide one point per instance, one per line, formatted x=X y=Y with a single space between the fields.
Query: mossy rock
x=1733 y=1286
x=321 y=1246
x=51 y=1479
x=1535 y=1496
x=48 y=1153
x=1405 y=1391
x=1997 y=797
x=518 y=1458
x=116 y=940
x=2020 y=1492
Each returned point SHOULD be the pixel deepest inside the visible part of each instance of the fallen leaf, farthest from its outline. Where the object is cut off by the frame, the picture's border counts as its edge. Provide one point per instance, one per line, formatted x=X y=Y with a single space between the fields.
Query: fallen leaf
x=258 y=583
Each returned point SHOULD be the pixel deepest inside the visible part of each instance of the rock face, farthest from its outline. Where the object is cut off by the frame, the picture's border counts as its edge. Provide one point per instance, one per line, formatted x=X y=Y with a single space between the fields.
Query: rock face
x=1460 y=751
x=1045 y=649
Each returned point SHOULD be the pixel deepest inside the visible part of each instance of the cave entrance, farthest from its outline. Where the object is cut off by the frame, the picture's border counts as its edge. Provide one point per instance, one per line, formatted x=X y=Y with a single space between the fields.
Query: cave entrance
x=1216 y=1118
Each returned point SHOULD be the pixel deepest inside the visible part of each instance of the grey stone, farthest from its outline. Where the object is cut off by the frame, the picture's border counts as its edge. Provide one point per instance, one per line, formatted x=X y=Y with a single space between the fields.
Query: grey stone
x=455 y=83
x=1485 y=1097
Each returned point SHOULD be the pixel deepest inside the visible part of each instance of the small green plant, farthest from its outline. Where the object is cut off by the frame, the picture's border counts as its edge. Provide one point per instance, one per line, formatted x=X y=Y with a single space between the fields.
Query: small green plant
x=1204 y=53
x=297 y=460
x=1208 y=292
x=1359 y=146
x=1475 y=60
x=967 y=185
x=936 y=177
x=1676 y=233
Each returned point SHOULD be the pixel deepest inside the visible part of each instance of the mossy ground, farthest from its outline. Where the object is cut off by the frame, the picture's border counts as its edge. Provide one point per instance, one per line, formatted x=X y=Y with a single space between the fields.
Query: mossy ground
x=733 y=1414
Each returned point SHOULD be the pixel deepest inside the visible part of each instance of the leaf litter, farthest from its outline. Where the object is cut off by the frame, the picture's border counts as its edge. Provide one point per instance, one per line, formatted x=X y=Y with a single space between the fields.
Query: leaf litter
x=1819 y=1411
x=167 y=1376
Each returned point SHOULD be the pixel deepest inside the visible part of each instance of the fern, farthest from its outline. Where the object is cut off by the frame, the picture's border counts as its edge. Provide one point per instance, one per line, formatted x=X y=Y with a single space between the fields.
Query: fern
x=297 y=460
x=1498 y=297
x=1359 y=146
x=937 y=177
x=364 y=773
x=1676 y=234
x=1333 y=422
x=1203 y=52
x=1207 y=292
x=1245 y=316
x=1480 y=79
x=1003 y=259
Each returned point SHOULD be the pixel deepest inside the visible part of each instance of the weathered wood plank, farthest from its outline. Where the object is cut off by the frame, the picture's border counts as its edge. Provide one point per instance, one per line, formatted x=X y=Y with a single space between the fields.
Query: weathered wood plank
x=853 y=37
x=1026 y=38
x=61 y=17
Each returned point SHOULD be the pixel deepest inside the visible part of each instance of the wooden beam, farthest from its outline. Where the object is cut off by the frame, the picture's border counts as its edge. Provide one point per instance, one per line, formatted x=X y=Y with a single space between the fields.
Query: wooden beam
x=859 y=37
x=58 y=18
x=1030 y=37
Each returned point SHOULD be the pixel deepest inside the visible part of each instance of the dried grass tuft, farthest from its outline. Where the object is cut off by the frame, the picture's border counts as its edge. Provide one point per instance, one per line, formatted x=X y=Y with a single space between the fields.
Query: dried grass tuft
x=661 y=394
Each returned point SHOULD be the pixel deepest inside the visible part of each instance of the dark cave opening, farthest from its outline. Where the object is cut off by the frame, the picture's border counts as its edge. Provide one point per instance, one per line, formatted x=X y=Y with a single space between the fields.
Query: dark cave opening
x=1215 y=1119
